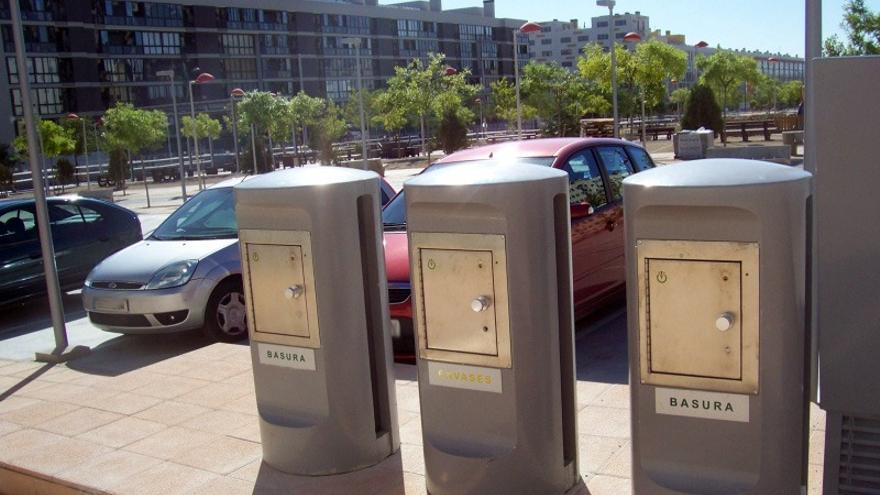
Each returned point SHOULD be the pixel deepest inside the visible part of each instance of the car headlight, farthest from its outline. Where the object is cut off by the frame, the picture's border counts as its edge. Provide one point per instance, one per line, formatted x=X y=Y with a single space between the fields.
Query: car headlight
x=173 y=275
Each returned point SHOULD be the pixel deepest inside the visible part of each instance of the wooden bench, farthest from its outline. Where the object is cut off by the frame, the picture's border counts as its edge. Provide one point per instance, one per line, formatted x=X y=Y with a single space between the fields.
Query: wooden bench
x=746 y=129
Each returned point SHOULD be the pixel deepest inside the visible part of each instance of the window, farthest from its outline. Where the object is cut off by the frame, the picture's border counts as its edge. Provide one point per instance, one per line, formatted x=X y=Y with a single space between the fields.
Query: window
x=547 y=53
x=208 y=215
x=546 y=41
x=346 y=67
x=585 y=37
x=237 y=44
x=473 y=32
x=340 y=89
x=566 y=39
x=620 y=22
x=65 y=215
x=602 y=24
x=602 y=37
x=618 y=166
x=546 y=29
x=566 y=51
x=240 y=68
x=619 y=35
x=585 y=181
x=17 y=225
x=351 y=24
x=49 y=101
x=640 y=158
x=41 y=70
x=156 y=43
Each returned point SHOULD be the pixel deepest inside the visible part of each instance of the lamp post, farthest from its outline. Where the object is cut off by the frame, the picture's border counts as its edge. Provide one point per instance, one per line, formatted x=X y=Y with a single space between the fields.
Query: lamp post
x=73 y=116
x=356 y=42
x=170 y=75
x=233 y=97
x=202 y=78
x=527 y=28
x=610 y=4
x=634 y=38
x=773 y=61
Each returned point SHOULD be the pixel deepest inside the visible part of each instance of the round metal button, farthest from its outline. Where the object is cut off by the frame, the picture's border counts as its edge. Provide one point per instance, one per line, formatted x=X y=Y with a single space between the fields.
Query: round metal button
x=294 y=292
x=724 y=322
x=480 y=304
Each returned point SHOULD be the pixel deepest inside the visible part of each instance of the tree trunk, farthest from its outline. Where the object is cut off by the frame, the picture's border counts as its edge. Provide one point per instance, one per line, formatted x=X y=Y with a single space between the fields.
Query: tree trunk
x=211 y=150
x=295 y=147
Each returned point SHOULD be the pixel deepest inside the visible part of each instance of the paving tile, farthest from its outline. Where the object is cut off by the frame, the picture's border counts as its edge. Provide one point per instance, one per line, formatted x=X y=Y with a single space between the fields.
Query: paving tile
x=173 y=367
x=220 y=421
x=604 y=421
x=127 y=382
x=594 y=452
x=78 y=421
x=92 y=380
x=587 y=392
x=817 y=448
x=61 y=455
x=16 y=367
x=6 y=427
x=814 y=479
x=411 y=431
x=108 y=470
x=616 y=396
x=122 y=432
x=250 y=472
x=214 y=395
x=56 y=374
x=17 y=402
x=94 y=398
x=58 y=392
x=408 y=399
x=171 y=442
x=216 y=371
x=620 y=464
x=172 y=412
x=222 y=456
x=38 y=412
x=817 y=418
x=169 y=387
x=225 y=486
x=250 y=432
x=609 y=485
x=126 y=403
x=246 y=404
x=164 y=479
x=412 y=459
x=25 y=441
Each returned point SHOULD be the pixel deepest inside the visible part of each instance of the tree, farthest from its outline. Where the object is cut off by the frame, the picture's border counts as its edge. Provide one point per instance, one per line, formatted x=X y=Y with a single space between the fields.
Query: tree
x=594 y=65
x=655 y=63
x=862 y=28
x=558 y=95
x=391 y=116
x=452 y=133
x=265 y=112
x=702 y=110
x=302 y=111
x=132 y=131
x=54 y=139
x=502 y=104
x=325 y=132
x=724 y=70
x=64 y=172
x=204 y=127
x=680 y=98
x=791 y=94
x=424 y=91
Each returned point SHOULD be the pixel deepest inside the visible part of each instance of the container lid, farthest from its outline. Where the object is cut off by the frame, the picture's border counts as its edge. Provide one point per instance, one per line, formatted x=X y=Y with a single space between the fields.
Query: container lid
x=717 y=172
x=487 y=173
x=306 y=177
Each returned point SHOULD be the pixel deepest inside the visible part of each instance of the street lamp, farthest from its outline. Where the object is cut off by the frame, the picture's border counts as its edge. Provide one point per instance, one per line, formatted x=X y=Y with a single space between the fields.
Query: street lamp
x=527 y=28
x=170 y=75
x=610 y=4
x=235 y=93
x=202 y=78
x=73 y=116
x=356 y=42
x=773 y=61
x=633 y=37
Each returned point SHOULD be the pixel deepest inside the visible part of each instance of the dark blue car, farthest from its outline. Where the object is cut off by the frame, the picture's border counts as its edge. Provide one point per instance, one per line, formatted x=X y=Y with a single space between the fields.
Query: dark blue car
x=84 y=232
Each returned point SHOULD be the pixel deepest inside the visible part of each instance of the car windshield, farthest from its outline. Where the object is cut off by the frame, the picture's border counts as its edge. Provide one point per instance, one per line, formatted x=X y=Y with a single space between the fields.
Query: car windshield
x=394 y=214
x=208 y=215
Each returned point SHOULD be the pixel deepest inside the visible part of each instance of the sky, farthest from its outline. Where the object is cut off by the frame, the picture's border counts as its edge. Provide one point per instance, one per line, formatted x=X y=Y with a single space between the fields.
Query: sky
x=773 y=25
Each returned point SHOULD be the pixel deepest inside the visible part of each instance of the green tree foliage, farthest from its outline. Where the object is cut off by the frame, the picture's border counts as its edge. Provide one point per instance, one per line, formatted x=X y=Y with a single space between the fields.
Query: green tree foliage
x=764 y=92
x=680 y=97
x=64 y=172
x=55 y=139
x=702 y=110
x=558 y=95
x=791 y=94
x=655 y=63
x=351 y=111
x=594 y=65
x=862 y=28
x=424 y=91
x=202 y=127
x=302 y=112
x=502 y=103
x=724 y=70
x=452 y=133
x=327 y=130
x=129 y=130
x=263 y=111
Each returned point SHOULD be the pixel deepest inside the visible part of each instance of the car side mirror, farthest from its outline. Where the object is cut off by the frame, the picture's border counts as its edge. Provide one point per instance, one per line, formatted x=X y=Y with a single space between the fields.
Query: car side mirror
x=581 y=210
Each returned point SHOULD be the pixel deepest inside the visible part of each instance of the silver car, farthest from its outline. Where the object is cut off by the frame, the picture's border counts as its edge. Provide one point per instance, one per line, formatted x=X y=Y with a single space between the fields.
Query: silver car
x=183 y=276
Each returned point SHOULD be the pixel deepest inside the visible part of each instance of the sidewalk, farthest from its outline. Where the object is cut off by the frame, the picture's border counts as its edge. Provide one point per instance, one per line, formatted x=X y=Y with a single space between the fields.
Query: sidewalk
x=169 y=415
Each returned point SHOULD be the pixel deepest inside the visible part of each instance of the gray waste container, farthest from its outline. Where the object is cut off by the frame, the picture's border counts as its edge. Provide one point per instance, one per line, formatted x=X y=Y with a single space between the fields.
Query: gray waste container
x=490 y=258
x=314 y=280
x=717 y=343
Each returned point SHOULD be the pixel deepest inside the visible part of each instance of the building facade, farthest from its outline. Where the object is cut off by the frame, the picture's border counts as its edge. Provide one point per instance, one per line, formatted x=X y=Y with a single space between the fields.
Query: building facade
x=86 y=55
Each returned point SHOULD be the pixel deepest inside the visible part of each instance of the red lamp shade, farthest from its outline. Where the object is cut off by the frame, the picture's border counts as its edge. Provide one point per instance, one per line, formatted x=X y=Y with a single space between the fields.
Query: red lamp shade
x=450 y=71
x=702 y=44
x=203 y=78
x=773 y=60
x=530 y=27
x=237 y=92
x=631 y=36
x=73 y=116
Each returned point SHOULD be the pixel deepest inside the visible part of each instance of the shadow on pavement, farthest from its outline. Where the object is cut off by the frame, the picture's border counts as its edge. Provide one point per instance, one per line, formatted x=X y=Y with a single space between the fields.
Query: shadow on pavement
x=130 y=352
x=33 y=315
x=600 y=348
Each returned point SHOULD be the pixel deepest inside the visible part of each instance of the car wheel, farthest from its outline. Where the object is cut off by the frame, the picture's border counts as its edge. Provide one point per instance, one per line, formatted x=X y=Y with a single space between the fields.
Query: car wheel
x=226 y=316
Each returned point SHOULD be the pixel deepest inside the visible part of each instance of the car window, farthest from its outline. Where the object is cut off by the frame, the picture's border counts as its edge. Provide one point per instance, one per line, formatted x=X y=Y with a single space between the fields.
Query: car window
x=18 y=224
x=65 y=214
x=90 y=215
x=208 y=215
x=618 y=166
x=585 y=180
x=640 y=158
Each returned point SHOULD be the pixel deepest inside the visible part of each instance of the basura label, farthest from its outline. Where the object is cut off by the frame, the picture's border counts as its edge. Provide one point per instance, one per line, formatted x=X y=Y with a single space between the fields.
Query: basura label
x=288 y=357
x=699 y=404
x=466 y=377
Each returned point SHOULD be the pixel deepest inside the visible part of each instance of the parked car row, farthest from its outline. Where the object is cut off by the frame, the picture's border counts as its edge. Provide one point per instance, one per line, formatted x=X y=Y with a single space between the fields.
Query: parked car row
x=187 y=273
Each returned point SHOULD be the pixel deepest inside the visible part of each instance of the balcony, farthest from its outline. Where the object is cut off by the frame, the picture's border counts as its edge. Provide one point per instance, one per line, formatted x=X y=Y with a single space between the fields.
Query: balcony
x=33 y=47
x=275 y=50
x=40 y=16
x=277 y=74
x=347 y=30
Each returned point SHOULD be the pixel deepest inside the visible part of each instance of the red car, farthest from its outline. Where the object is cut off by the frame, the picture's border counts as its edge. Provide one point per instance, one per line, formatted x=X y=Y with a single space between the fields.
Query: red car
x=595 y=166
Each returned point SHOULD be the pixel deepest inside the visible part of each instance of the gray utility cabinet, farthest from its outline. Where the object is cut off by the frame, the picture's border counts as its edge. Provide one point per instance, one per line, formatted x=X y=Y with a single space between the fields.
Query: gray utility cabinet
x=314 y=280
x=847 y=223
x=490 y=257
x=716 y=265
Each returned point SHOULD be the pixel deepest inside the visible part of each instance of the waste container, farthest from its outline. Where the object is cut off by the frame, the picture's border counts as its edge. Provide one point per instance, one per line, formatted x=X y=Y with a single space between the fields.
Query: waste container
x=314 y=281
x=718 y=350
x=490 y=258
